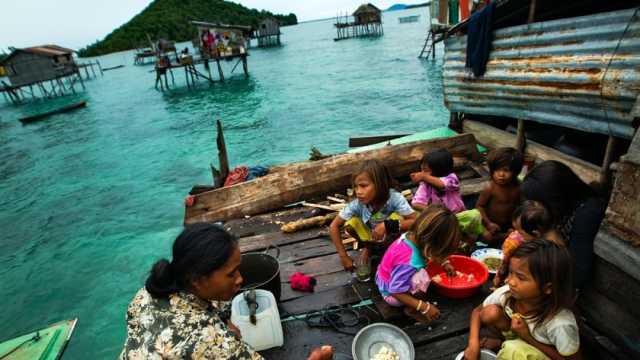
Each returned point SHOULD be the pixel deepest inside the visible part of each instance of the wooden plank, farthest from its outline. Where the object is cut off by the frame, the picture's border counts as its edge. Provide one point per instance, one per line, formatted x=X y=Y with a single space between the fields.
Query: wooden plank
x=277 y=238
x=266 y=222
x=454 y=318
x=306 y=249
x=315 y=266
x=325 y=282
x=358 y=141
x=338 y=296
x=306 y=180
x=473 y=186
x=446 y=349
x=492 y=137
x=222 y=156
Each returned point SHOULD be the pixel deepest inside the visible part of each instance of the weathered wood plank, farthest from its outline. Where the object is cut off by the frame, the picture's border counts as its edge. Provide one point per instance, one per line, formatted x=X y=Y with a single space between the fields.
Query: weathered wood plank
x=305 y=180
x=338 y=296
x=325 y=282
x=446 y=349
x=316 y=266
x=493 y=137
x=268 y=222
x=277 y=238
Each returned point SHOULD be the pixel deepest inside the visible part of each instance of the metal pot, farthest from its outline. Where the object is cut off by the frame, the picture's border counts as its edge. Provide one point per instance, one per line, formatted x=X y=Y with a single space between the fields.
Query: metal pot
x=260 y=271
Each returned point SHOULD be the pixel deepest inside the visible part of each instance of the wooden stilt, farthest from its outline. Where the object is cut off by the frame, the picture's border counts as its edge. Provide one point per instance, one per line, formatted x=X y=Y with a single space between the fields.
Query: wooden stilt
x=245 y=67
x=220 y=70
x=520 y=138
x=222 y=156
x=605 y=171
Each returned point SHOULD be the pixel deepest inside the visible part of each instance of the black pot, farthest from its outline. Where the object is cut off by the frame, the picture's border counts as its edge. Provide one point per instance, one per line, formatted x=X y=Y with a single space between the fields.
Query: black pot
x=260 y=271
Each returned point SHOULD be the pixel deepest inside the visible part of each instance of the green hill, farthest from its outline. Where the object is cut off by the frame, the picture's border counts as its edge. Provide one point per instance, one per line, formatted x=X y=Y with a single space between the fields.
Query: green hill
x=169 y=19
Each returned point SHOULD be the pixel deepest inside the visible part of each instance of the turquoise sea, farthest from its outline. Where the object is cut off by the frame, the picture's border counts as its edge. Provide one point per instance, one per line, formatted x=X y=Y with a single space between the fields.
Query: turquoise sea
x=90 y=199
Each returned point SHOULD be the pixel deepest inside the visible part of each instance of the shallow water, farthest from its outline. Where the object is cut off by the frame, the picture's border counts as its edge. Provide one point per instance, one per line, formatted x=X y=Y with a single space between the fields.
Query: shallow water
x=90 y=199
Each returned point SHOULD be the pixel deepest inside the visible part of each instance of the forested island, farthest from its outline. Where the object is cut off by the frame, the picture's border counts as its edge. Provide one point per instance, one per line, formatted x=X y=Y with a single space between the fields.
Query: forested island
x=169 y=19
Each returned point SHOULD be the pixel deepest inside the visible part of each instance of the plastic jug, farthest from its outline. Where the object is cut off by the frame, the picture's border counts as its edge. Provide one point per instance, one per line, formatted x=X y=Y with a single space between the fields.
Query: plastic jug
x=267 y=332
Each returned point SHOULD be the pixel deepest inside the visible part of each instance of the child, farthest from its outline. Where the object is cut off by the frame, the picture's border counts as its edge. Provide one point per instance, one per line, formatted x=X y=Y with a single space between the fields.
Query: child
x=530 y=221
x=532 y=310
x=401 y=276
x=438 y=183
x=501 y=197
x=376 y=211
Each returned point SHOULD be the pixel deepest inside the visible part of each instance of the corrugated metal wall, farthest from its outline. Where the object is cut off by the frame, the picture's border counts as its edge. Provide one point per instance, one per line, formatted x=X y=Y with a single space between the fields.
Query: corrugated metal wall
x=581 y=72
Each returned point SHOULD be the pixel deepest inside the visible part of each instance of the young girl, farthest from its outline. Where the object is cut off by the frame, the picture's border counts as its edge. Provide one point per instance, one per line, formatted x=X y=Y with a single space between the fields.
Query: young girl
x=501 y=197
x=401 y=276
x=532 y=310
x=530 y=221
x=438 y=183
x=376 y=211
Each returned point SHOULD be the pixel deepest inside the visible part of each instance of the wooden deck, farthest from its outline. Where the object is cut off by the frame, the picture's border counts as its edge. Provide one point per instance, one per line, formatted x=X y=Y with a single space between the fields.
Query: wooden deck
x=312 y=252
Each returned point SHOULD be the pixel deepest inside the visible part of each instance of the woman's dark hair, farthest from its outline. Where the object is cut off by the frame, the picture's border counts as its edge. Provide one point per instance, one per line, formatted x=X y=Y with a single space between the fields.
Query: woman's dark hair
x=198 y=251
x=381 y=178
x=505 y=157
x=557 y=187
x=437 y=232
x=439 y=161
x=534 y=218
x=549 y=264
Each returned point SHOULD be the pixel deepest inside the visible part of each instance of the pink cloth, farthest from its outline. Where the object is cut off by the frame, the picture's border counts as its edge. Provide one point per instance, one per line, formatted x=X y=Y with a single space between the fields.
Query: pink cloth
x=419 y=283
x=449 y=196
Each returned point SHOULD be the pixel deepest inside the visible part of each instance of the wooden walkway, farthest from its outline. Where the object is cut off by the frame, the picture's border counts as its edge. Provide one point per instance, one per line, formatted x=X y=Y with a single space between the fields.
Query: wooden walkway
x=312 y=252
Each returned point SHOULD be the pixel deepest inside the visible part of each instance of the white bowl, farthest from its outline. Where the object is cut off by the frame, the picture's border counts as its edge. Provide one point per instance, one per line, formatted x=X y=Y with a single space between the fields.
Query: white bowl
x=485 y=253
x=371 y=338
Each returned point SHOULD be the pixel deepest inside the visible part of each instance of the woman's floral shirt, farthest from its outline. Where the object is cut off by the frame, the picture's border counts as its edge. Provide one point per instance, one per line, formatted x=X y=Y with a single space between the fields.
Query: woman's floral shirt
x=180 y=327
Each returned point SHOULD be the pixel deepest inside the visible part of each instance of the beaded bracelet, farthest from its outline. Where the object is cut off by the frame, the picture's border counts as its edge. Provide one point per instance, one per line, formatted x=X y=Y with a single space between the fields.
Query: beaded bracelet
x=427 y=310
x=419 y=305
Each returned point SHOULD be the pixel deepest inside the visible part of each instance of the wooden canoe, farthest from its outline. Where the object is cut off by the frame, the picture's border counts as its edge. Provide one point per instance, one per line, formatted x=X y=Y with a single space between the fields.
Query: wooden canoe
x=304 y=180
x=37 y=117
x=43 y=344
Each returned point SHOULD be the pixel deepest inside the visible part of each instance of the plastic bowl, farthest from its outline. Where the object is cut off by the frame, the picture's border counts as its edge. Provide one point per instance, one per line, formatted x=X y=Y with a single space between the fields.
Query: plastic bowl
x=371 y=338
x=459 y=289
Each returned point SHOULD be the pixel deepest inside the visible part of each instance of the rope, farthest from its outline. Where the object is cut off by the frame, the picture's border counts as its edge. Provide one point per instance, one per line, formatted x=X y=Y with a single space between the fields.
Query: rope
x=337 y=317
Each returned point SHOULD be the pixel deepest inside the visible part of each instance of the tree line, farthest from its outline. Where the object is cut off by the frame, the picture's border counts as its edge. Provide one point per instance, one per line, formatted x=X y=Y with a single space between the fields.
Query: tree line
x=170 y=19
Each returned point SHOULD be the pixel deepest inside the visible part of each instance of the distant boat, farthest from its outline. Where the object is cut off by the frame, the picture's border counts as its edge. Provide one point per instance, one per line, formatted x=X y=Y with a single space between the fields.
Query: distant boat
x=408 y=19
x=113 y=67
x=37 y=117
x=44 y=344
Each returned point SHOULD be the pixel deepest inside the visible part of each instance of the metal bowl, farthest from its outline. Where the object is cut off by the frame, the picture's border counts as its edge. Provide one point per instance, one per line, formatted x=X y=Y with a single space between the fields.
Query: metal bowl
x=484 y=355
x=370 y=339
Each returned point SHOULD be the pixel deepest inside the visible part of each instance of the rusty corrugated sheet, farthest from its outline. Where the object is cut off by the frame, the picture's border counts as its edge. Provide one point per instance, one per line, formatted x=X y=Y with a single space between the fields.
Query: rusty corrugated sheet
x=581 y=72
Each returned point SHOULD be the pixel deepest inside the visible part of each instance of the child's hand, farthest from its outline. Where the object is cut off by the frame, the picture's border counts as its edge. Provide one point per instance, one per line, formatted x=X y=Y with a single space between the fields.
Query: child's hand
x=493 y=227
x=433 y=313
x=496 y=281
x=519 y=326
x=378 y=232
x=472 y=352
x=416 y=177
x=449 y=269
x=347 y=262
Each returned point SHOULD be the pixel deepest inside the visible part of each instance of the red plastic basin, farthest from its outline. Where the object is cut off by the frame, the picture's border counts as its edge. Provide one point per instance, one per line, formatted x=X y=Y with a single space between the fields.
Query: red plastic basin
x=459 y=288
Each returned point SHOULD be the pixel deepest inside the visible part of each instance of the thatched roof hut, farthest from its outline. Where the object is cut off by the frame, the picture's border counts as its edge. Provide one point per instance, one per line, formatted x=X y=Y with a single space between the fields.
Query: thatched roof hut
x=367 y=14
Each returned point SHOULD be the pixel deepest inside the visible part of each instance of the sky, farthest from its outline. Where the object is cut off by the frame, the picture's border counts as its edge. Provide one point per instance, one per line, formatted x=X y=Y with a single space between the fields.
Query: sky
x=77 y=23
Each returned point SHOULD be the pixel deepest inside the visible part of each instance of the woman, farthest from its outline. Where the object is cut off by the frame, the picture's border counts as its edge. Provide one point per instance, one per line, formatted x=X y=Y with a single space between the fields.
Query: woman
x=576 y=207
x=183 y=310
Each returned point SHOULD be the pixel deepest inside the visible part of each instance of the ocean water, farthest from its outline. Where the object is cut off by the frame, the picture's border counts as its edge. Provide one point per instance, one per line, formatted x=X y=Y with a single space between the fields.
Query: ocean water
x=90 y=199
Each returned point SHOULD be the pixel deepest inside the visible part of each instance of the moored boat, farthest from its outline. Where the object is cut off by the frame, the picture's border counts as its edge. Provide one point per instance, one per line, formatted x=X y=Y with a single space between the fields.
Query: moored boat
x=37 y=117
x=43 y=344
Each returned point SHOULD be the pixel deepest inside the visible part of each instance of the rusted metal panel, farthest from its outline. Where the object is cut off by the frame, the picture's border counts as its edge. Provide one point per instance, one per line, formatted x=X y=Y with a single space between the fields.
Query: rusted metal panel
x=581 y=72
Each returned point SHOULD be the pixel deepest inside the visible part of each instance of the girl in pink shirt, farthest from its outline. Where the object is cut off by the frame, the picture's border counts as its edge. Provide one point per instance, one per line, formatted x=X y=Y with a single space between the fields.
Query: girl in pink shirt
x=438 y=183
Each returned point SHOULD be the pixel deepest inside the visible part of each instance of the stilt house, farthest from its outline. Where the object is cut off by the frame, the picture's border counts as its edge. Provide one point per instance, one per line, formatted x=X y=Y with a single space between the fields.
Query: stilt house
x=268 y=32
x=367 y=21
x=39 y=63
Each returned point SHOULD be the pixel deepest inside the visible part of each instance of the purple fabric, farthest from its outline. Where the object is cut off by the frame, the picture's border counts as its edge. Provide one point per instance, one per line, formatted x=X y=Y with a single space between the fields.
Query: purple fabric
x=400 y=281
x=449 y=196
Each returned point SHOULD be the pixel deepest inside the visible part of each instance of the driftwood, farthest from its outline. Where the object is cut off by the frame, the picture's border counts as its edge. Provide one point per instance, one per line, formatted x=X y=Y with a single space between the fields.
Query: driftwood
x=307 y=223
x=307 y=179
x=494 y=138
x=220 y=176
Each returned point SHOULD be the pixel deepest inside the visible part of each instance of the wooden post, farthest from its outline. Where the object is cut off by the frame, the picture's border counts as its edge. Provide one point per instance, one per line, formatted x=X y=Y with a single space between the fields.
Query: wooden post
x=186 y=76
x=100 y=67
x=222 y=156
x=245 y=67
x=605 y=171
x=220 y=70
x=520 y=138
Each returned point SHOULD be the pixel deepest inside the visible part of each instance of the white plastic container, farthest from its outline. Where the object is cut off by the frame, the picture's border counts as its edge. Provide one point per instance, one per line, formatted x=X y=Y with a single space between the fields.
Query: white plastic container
x=267 y=332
